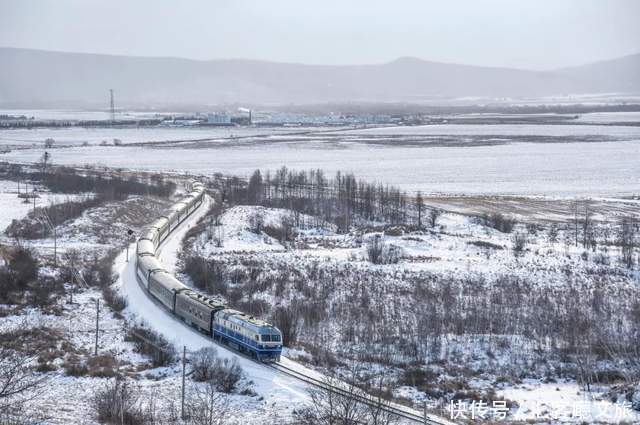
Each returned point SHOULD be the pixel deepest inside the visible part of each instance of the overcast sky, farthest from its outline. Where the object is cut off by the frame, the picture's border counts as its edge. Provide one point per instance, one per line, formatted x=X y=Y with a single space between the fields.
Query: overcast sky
x=534 y=34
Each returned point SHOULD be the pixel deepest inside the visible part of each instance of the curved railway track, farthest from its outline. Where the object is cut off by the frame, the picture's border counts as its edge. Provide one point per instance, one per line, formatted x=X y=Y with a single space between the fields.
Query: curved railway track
x=361 y=396
x=340 y=388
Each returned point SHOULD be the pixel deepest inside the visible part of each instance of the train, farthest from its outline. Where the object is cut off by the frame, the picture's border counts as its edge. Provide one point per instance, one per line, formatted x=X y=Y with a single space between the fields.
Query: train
x=240 y=331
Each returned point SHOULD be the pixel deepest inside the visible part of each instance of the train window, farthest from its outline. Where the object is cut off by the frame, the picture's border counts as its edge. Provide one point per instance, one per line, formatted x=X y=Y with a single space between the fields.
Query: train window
x=275 y=338
x=266 y=338
x=257 y=339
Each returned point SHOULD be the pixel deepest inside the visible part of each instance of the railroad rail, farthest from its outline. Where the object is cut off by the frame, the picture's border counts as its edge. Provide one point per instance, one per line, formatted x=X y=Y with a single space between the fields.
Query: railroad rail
x=362 y=397
x=338 y=387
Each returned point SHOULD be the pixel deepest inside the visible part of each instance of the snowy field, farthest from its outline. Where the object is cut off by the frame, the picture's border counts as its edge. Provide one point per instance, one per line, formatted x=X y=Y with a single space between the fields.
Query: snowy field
x=12 y=207
x=559 y=169
x=452 y=249
x=607 y=117
x=557 y=130
x=280 y=392
x=566 y=402
x=507 y=159
x=28 y=138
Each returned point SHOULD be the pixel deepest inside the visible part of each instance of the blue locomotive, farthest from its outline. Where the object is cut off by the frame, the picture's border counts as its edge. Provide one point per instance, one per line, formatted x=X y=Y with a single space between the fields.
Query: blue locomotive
x=238 y=330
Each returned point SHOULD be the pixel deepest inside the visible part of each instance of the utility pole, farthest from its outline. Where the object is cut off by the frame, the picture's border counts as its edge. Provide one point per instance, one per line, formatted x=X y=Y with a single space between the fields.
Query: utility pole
x=46 y=221
x=73 y=276
x=184 y=368
x=55 y=247
x=129 y=233
x=95 y=352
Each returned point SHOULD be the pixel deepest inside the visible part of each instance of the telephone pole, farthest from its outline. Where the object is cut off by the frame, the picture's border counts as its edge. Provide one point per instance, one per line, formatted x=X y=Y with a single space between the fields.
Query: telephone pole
x=95 y=352
x=184 y=367
x=73 y=276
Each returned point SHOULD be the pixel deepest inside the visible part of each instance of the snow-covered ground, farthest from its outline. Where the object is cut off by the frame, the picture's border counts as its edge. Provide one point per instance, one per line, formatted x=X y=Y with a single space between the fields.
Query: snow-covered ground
x=455 y=246
x=607 y=117
x=517 y=159
x=237 y=230
x=68 y=399
x=76 y=136
x=561 y=169
x=96 y=230
x=278 y=390
x=459 y=246
x=566 y=402
x=558 y=130
x=12 y=207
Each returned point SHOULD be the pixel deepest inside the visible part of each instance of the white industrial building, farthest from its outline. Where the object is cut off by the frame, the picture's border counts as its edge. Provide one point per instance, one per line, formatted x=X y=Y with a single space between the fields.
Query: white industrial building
x=218 y=118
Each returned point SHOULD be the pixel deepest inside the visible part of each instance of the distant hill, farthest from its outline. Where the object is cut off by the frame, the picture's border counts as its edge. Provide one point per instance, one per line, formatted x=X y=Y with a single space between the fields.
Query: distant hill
x=35 y=78
x=616 y=75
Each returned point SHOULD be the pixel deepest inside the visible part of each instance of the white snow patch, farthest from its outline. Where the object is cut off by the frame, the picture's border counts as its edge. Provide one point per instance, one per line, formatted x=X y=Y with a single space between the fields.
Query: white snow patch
x=565 y=402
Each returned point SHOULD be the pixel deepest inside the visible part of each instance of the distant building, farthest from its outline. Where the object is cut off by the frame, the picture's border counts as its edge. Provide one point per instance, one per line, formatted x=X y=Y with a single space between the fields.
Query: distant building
x=218 y=119
x=287 y=118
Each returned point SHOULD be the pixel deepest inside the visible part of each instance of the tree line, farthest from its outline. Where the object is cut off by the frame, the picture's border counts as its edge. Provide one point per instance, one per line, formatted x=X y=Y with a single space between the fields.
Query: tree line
x=342 y=199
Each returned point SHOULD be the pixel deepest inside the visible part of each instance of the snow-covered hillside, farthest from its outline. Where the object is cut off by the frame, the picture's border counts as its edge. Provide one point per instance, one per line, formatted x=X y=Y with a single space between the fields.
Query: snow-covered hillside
x=327 y=282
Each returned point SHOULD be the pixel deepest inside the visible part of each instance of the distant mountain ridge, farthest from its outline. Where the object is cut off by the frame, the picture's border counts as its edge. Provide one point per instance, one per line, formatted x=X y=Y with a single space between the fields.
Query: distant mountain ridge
x=37 y=78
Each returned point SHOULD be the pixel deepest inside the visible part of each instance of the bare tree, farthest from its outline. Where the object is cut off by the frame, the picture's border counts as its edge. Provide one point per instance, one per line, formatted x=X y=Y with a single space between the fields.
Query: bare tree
x=585 y=361
x=218 y=237
x=117 y=402
x=19 y=382
x=553 y=233
x=375 y=249
x=434 y=213
x=343 y=403
x=45 y=161
x=255 y=188
x=72 y=260
x=206 y=406
x=520 y=241
x=380 y=252
x=286 y=320
x=419 y=207
x=256 y=221
x=587 y=225
x=378 y=409
x=627 y=239
x=575 y=208
x=286 y=225
x=331 y=407
x=202 y=363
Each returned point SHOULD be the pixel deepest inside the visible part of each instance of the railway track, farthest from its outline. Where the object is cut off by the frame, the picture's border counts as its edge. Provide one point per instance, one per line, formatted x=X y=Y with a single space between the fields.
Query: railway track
x=362 y=397
x=338 y=387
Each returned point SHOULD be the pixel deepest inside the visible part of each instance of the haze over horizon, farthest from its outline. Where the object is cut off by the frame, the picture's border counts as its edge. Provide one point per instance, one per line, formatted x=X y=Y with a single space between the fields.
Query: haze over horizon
x=286 y=52
x=535 y=35
x=240 y=59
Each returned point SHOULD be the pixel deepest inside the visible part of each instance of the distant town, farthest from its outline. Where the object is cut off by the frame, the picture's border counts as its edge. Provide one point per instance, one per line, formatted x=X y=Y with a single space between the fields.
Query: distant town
x=241 y=117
